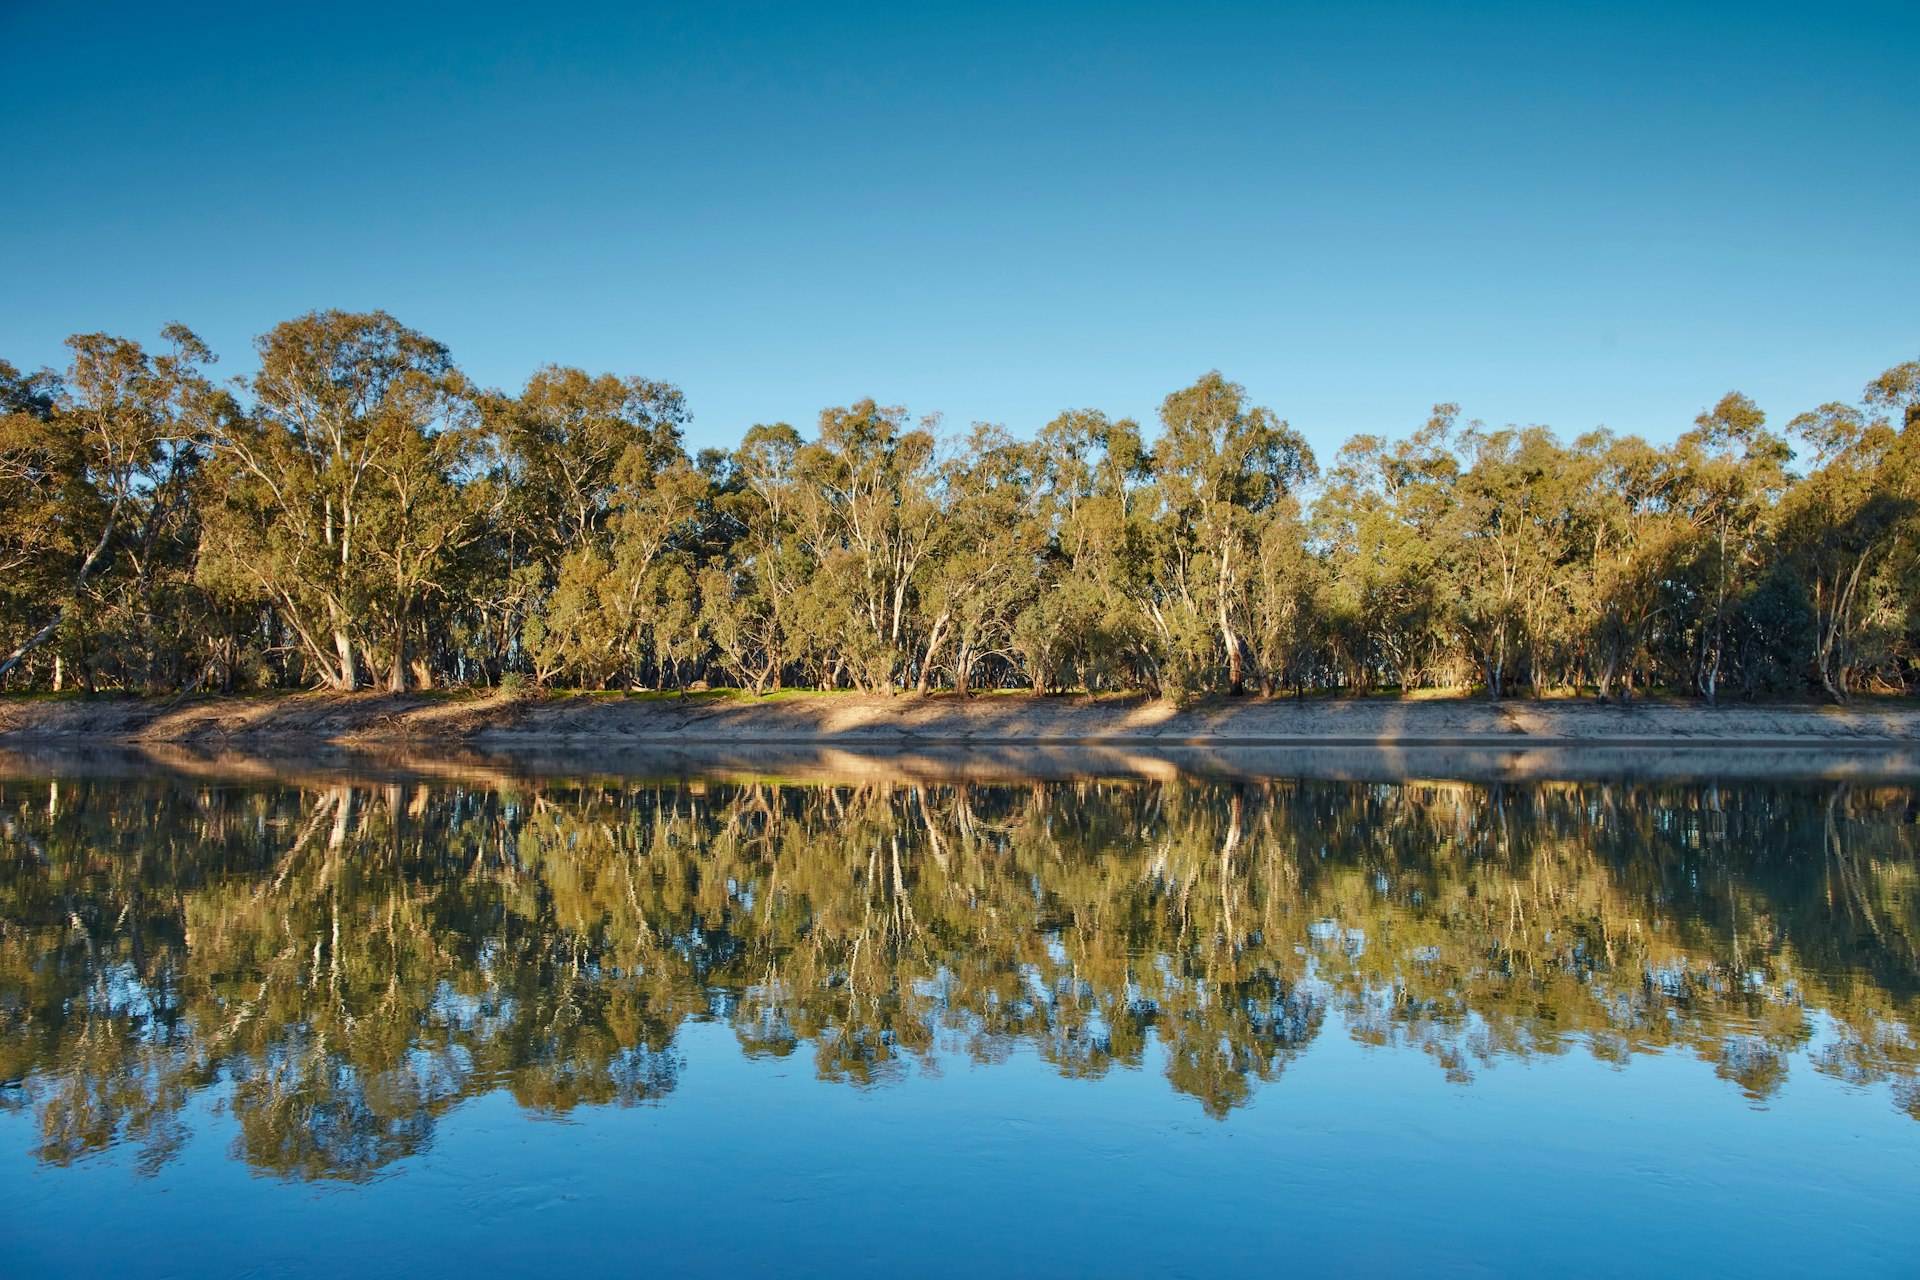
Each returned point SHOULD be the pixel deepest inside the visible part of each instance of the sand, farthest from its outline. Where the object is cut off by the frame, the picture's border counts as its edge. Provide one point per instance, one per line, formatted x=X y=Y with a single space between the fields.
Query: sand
x=497 y=741
x=611 y=721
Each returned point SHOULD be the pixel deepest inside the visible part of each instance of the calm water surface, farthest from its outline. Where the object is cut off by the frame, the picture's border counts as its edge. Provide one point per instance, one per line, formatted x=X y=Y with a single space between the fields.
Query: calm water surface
x=369 y=1021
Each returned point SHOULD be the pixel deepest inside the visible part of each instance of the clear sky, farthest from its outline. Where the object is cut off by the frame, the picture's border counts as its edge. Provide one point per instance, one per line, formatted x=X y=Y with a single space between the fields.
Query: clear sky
x=1569 y=214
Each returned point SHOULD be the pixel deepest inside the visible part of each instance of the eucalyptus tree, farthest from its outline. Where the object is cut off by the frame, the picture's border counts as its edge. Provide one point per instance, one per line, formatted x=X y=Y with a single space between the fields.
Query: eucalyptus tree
x=342 y=497
x=39 y=470
x=601 y=490
x=1897 y=392
x=1091 y=614
x=1733 y=471
x=869 y=516
x=985 y=565
x=159 y=612
x=1847 y=519
x=749 y=595
x=615 y=591
x=1624 y=536
x=1377 y=525
x=1287 y=633
x=1503 y=539
x=355 y=510
x=103 y=460
x=564 y=443
x=1221 y=468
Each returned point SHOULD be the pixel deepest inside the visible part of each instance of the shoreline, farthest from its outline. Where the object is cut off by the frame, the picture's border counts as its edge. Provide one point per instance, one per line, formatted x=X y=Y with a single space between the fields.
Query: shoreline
x=947 y=722
x=541 y=765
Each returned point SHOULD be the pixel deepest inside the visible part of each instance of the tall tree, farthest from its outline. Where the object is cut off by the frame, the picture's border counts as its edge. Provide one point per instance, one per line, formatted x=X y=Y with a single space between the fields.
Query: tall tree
x=1091 y=615
x=1503 y=539
x=115 y=443
x=1378 y=525
x=868 y=515
x=1221 y=467
x=579 y=450
x=342 y=495
x=1844 y=521
x=1733 y=470
x=749 y=597
x=985 y=564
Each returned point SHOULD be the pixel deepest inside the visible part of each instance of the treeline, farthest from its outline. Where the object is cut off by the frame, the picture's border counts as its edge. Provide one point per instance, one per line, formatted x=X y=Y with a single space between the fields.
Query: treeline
x=357 y=514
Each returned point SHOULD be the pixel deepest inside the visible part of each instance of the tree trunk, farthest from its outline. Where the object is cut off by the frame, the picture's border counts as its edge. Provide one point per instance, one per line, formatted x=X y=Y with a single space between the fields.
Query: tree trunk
x=33 y=642
x=933 y=648
x=1832 y=687
x=963 y=662
x=1236 y=677
x=397 y=672
x=347 y=677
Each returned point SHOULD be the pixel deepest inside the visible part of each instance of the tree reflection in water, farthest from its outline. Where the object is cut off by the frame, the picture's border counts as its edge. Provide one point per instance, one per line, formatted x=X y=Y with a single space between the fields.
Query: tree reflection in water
x=342 y=964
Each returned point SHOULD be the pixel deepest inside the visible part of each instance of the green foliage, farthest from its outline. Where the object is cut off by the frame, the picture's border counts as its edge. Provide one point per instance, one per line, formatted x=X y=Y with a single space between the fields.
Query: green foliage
x=362 y=516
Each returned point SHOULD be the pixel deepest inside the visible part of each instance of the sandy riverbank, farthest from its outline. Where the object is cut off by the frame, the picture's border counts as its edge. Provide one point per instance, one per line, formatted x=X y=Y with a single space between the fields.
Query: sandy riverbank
x=875 y=722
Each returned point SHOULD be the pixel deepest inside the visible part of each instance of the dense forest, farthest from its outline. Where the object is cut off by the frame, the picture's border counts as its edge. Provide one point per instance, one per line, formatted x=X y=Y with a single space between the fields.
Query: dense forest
x=357 y=514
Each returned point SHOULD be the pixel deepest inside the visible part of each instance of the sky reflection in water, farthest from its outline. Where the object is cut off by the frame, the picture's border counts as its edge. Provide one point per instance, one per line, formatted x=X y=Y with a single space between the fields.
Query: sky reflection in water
x=1096 y=1024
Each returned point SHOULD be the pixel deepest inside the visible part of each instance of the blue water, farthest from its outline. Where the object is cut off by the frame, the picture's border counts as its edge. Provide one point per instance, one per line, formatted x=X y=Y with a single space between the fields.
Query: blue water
x=1453 y=1153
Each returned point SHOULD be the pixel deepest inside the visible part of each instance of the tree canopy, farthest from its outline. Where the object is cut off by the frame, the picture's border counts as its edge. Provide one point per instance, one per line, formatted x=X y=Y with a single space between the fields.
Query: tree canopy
x=358 y=514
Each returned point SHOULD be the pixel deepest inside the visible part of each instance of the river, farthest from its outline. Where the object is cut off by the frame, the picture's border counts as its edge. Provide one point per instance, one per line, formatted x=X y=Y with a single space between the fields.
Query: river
x=845 y=1016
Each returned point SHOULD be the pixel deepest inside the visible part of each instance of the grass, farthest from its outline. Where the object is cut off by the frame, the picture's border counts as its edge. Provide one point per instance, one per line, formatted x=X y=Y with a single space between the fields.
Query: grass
x=531 y=692
x=70 y=695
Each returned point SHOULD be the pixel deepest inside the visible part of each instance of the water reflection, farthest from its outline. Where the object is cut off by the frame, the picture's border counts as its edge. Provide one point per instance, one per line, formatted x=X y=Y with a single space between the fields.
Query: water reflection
x=339 y=963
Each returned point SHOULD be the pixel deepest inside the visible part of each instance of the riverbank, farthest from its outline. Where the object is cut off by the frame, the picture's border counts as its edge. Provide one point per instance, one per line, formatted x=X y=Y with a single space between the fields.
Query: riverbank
x=588 y=720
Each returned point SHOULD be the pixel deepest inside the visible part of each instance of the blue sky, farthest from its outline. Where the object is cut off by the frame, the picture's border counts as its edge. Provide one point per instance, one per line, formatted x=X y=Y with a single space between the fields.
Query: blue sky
x=1569 y=214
